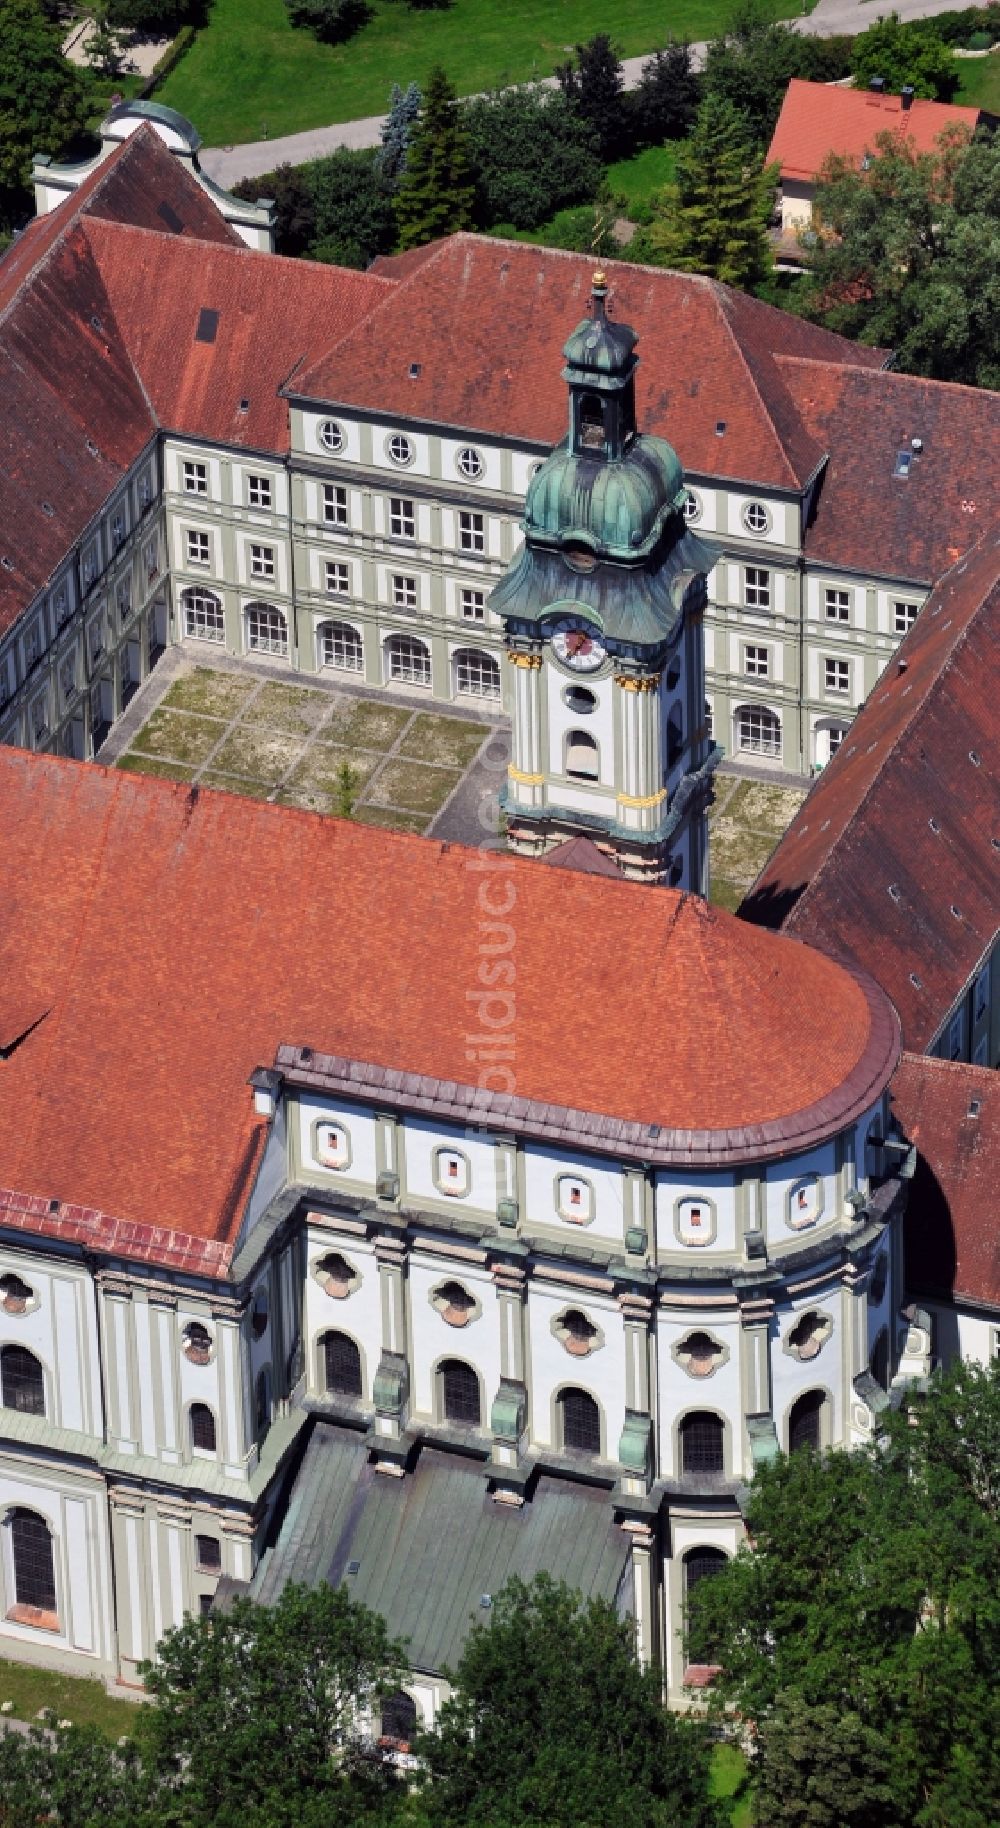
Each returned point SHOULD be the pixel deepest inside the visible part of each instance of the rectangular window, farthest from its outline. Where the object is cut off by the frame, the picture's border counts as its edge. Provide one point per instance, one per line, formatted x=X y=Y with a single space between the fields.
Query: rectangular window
x=32 y=646
x=955 y=1037
x=402 y=519
x=334 y=504
x=981 y=996
x=404 y=592
x=262 y=561
x=837 y=604
x=756 y=588
x=471 y=532
x=194 y=477
x=198 y=548
x=259 y=492
x=474 y=605
x=755 y=662
x=117 y=530
x=903 y=617
x=338 y=578
x=837 y=675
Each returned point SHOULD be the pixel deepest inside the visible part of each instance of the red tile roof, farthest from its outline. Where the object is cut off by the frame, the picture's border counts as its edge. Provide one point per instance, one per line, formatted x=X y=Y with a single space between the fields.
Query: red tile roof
x=818 y=119
x=868 y=519
x=581 y=854
x=165 y=941
x=486 y=320
x=273 y=315
x=951 y=1228
x=893 y=859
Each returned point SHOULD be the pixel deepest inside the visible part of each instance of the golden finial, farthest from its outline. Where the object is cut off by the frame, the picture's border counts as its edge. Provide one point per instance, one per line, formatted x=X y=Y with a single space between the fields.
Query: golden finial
x=600 y=279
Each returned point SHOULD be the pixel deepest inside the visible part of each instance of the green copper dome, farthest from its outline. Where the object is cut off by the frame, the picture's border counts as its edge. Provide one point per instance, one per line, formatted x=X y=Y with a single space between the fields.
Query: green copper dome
x=617 y=509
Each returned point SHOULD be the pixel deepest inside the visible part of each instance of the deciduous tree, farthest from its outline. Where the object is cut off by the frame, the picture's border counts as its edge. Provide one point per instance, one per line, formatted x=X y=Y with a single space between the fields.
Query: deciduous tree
x=753 y=61
x=532 y=154
x=914 y=53
x=43 y=102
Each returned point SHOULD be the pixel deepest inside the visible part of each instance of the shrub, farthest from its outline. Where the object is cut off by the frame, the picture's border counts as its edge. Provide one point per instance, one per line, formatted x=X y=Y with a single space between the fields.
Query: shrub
x=331 y=21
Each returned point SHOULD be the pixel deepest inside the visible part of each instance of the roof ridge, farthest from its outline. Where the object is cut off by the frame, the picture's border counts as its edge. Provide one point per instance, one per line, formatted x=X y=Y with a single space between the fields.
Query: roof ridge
x=752 y=378
x=893 y=374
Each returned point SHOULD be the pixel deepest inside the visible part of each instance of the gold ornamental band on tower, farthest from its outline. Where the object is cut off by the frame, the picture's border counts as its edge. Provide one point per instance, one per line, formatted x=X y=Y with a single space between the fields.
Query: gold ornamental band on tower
x=629 y=683
x=532 y=661
x=641 y=801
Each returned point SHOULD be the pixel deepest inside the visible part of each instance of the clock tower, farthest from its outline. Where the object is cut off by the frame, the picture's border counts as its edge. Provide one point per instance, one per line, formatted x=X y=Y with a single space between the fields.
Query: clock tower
x=602 y=608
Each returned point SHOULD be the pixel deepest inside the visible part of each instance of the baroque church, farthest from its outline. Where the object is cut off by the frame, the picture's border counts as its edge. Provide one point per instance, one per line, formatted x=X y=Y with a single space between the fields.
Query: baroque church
x=508 y=1224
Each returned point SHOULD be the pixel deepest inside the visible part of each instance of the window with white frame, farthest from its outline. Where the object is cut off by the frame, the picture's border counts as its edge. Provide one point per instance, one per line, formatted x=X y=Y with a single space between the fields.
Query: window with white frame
x=60 y=604
x=267 y=629
x=451 y=1172
x=837 y=604
x=469 y=463
x=477 y=675
x=758 y=731
x=117 y=530
x=67 y=676
x=399 y=449
x=123 y=597
x=331 y=436
x=151 y=559
x=338 y=578
x=199 y=550
x=756 y=518
x=574 y=1199
x=837 y=675
x=402 y=518
x=471 y=531
x=334 y=504
x=756 y=588
x=262 y=561
x=473 y=605
x=755 y=662
x=95 y=637
x=194 y=477
x=341 y=647
x=203 y=615
x=259 y=494
x=332 y=1145
x=408 y=661
x=903 y=617
x=404 y=592
x=692 y=505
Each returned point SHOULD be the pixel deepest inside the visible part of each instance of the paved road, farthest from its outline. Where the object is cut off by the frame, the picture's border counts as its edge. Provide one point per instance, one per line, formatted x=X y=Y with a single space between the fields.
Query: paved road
x=230 y=163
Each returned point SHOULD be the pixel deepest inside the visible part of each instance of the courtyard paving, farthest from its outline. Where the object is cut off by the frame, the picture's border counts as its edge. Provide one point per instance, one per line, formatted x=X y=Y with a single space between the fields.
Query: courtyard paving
x=744 y=825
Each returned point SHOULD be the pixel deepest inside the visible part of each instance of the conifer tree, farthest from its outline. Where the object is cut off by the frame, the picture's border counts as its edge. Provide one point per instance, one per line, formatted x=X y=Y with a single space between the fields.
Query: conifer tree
x=436 y=192
x=397 y=131
x=713 y=218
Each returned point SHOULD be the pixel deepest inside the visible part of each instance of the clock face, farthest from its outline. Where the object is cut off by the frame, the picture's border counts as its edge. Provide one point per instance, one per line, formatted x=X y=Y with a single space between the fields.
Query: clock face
x=577 y=646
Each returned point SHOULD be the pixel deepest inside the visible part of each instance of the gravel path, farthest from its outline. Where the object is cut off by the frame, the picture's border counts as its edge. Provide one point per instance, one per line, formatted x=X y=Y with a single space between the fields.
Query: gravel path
x=227 y=164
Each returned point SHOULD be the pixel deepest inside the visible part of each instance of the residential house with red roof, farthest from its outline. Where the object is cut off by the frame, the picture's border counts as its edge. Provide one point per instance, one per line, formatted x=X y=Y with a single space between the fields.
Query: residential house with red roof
x=818 y=120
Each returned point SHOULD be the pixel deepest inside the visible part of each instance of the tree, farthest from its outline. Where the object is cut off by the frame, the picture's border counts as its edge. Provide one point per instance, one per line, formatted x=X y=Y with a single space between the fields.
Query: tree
x=105 y=45
x=435 y=195
x=532 y=154
x=753 y=62
x=666 y=100
x=913 y=53
x=859 y=1630
x=908 y=255
x=331 y=21
x=353 y=207
x=397 y=131
x=155 y=18
x=594 y=85
x=291 y=193
x=713 y=219
x=553 y=1721
x=43 y=102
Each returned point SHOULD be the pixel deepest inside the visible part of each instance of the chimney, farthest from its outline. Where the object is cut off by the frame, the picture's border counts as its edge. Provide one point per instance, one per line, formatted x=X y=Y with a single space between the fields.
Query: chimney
x=877 y=85
x=906 y=95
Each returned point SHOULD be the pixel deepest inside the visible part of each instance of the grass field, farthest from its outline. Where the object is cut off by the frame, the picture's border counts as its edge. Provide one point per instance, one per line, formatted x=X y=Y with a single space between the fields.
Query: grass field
x=638 y=179
x=729 y=1783
x=979 y=84
x=86 y=1703
x=250 y=76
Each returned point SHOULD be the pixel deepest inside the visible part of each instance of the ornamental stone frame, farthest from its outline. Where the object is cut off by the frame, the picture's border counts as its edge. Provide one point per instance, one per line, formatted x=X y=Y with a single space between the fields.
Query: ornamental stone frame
x=813 y=1340
x=683 y=1357
x=564 y=1335
x=327 y=1271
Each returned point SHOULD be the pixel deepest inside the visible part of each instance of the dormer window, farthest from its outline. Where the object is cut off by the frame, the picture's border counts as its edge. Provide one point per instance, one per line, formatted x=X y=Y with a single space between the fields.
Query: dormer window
x=592 y=436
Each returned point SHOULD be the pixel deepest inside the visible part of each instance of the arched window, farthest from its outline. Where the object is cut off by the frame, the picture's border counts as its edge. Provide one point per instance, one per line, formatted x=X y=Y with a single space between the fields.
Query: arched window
x=460 y=1392
x=267 y=629
x=399 y=1718
x=591 y=422
x=804 y=1421
x=702 y=1443
x=580 y=1422
x=880 y=1359
x=202 y=1428
x=758 y=731
x=341 y=647
x=583 y=761
x=407 y=660
x=699 y=1564
x=477 y=675
x=342 y=1365
x=22 y=1381
x=31 y=1554
x=204 y=619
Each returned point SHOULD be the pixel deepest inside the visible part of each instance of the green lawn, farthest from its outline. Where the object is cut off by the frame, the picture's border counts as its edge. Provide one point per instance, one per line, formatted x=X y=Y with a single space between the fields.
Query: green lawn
x=979 y=82
x=638 y=179
x=729 y=1783
x=250 y=76
x=83 y=1701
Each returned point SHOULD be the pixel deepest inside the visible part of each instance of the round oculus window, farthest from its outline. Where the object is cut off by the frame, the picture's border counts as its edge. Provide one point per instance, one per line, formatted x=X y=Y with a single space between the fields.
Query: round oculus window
x=756 y=518
x=399 y=449
x=580 y=700
x=469 y=463
x=331 y=436
x=692 y=506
